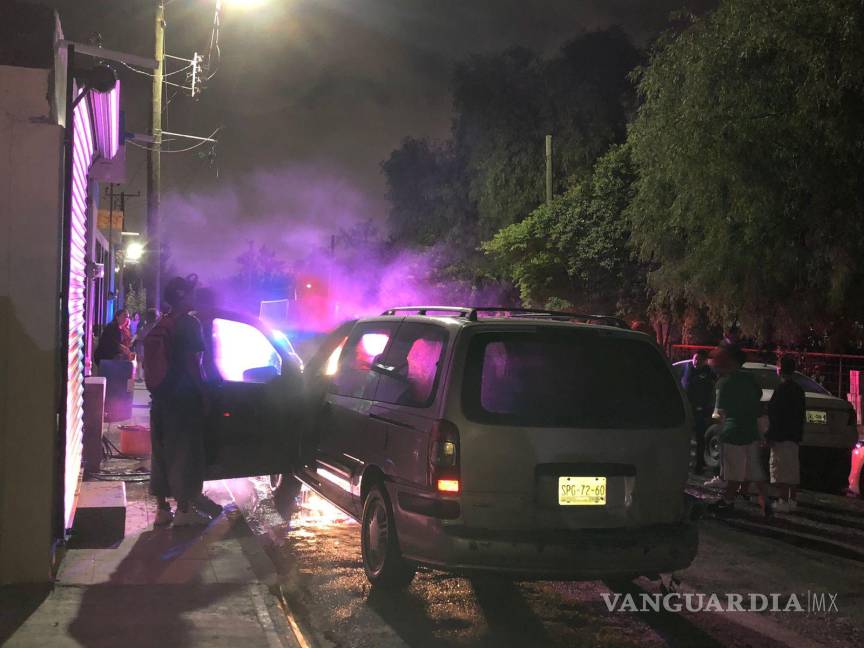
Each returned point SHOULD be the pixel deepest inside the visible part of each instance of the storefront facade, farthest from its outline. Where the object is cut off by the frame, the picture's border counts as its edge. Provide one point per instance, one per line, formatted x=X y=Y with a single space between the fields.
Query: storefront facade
x=52 y=135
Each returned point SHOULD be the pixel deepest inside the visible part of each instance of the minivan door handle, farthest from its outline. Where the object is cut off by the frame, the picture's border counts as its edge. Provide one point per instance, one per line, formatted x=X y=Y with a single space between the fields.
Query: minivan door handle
x=390 y=421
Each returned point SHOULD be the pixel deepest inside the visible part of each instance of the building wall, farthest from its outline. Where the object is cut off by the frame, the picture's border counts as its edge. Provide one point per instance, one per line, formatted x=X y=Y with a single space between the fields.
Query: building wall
x=31 y=148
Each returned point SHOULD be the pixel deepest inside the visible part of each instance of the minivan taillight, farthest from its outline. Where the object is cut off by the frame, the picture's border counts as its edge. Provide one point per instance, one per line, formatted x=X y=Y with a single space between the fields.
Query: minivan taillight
x=444 y=457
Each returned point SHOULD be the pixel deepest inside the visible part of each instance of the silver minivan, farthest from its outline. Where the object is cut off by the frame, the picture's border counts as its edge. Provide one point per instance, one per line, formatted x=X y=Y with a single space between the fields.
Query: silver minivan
x=539 y=445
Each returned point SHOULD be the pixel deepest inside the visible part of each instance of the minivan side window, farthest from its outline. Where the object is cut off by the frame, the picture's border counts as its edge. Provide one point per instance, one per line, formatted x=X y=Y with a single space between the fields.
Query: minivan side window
x=412 y=365
x=364 y=347
x=242 y=353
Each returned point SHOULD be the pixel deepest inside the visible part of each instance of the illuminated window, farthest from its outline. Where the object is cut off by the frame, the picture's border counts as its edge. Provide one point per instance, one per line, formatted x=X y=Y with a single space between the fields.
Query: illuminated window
x=412 y=366
x=364 y=348
x=242 y=353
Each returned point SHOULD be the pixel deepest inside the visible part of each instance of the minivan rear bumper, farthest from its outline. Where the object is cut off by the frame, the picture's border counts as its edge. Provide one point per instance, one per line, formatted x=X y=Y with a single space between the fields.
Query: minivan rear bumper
x=562 y=555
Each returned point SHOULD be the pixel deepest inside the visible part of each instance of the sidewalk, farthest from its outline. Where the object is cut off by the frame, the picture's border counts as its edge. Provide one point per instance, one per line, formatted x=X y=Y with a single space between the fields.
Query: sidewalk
x=158 y=587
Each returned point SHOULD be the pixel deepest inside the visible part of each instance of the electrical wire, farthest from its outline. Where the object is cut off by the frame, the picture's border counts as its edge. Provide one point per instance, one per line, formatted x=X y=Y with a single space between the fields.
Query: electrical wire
x=214 y=45
x=177 y=85
x=194 y=146
x=165 y=74
x=184 y=150
x=172 y=98
x=111 y=451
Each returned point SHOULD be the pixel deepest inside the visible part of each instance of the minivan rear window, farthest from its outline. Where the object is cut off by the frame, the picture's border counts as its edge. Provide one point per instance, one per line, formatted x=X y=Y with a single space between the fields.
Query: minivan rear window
x=569 y=379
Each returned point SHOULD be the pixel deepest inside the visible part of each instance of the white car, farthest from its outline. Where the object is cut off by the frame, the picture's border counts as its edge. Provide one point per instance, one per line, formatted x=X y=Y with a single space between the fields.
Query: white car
x=830 y=433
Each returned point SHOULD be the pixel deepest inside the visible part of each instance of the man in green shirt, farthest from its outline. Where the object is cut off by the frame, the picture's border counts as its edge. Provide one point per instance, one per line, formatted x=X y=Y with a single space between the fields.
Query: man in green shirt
x=739 y=405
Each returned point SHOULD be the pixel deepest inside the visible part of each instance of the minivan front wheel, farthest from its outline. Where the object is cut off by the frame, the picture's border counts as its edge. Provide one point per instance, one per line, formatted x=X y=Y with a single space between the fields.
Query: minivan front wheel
x=382 y=560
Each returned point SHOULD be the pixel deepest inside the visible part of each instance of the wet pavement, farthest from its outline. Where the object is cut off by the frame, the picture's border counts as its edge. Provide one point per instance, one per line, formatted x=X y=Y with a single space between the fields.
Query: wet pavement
x=818 y=549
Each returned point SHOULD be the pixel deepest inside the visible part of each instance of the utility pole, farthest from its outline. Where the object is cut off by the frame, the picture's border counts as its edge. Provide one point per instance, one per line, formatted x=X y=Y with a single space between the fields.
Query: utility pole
x=548 y=169
x=154 y=181
x=111 y=279
x=115 y=252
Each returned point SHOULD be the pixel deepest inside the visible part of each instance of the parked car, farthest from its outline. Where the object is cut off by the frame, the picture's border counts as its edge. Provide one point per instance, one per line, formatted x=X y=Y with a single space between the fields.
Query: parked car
x=256 y=397
x=829 y=429
x=520 y=443
x=856 y=478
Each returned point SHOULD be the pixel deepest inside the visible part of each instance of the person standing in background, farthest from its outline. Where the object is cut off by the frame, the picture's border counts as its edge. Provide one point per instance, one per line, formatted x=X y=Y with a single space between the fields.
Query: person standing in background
x=786 y=412
x=115 y=341
x=179 y=406
x=698 y=383
x=147 y=323
x=739 y=405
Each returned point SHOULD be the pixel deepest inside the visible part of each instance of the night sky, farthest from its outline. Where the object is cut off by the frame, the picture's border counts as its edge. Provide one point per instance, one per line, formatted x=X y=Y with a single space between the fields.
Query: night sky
x=312 y=96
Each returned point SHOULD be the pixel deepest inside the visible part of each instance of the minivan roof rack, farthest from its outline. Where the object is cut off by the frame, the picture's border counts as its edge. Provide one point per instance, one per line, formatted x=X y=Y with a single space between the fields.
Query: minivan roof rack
x=472 y=313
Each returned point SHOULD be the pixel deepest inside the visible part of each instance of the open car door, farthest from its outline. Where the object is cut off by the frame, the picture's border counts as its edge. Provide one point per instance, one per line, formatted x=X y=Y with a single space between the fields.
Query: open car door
x=256 y=398
x=317 y=375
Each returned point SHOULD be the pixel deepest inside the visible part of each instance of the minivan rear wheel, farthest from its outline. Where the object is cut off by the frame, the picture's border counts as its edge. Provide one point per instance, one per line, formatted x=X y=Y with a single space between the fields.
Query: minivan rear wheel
x=382 y=561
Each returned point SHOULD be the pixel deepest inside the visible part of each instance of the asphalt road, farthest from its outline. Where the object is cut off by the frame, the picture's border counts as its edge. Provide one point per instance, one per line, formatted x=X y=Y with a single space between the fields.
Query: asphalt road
x=818 y=549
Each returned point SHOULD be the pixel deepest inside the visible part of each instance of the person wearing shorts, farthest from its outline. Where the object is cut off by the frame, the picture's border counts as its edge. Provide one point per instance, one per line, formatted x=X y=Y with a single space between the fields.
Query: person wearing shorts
x=786 y=413
x=739 y=406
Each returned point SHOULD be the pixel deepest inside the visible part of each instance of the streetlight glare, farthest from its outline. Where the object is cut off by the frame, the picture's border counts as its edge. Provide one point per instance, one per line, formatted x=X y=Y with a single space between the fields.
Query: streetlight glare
x=244 y=4
x=134 y=252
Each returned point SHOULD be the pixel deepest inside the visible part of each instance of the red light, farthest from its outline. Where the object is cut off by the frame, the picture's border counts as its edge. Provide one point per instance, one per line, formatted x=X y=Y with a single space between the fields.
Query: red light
x=226 y=413
x=448 y=485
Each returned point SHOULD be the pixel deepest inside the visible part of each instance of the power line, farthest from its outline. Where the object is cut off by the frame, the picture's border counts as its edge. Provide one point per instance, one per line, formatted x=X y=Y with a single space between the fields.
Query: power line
x=142 y=72
x=184 y=150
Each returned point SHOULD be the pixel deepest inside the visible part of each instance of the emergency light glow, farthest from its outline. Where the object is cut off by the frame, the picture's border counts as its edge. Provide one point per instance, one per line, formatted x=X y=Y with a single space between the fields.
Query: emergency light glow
x=448 y=485
x=374 y=343
x=238 y=346
x=332 y=365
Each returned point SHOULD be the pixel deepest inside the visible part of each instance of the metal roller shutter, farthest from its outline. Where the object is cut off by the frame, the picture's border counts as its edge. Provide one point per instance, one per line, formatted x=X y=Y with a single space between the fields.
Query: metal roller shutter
x=83 y=154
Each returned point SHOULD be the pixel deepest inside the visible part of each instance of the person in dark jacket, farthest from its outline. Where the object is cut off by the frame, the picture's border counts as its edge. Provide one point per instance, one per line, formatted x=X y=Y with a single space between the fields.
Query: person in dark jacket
x=698 y=383
x=786 y=412
x=115 y=340
x=147 y=323
x=178 y=410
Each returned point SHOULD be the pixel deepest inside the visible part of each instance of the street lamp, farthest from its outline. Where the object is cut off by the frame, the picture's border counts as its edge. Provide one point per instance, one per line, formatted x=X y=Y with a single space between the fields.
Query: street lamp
x=134 y=252
x=246 y=4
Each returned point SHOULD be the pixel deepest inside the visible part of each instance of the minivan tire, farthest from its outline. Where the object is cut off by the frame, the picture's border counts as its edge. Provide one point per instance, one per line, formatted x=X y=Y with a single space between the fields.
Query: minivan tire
x=382 y=561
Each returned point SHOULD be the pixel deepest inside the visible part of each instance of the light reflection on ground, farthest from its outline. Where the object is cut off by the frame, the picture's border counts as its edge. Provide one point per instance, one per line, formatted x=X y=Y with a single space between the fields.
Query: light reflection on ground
x=315 y=512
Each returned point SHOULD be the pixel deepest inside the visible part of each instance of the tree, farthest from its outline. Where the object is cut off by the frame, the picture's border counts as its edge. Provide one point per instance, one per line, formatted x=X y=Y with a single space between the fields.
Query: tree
x=136 y=300
x=748 y=150
x=574 y=252
x=490 y=173
x=427 y=192
x=261 y=275
x=506 y=103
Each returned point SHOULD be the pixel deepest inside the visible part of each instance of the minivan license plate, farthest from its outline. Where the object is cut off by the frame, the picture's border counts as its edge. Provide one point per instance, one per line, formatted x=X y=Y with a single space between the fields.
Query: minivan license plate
x=582 y=491
x=815 y=416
